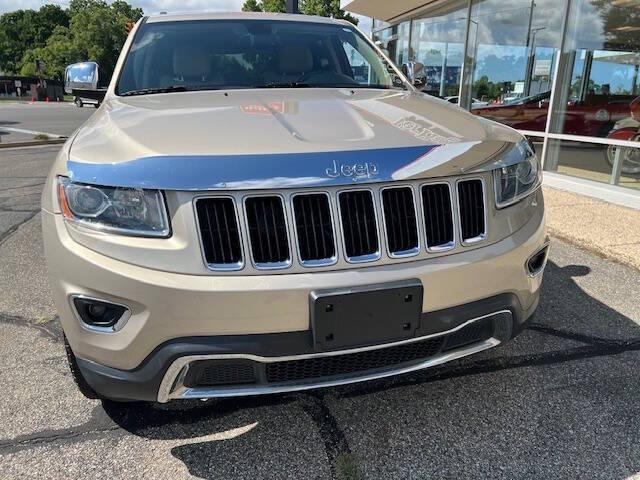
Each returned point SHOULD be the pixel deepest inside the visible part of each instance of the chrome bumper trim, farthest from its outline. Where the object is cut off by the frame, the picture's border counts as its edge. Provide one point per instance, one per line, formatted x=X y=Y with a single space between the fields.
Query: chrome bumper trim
x=172 y=386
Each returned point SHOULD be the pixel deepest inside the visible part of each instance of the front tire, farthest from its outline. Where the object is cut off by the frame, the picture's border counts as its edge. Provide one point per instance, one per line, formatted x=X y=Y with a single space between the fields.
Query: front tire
x=78 y=102
x=79 y=380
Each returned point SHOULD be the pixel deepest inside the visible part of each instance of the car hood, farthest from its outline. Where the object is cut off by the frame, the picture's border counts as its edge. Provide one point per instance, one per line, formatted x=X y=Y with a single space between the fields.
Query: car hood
x=279 y=137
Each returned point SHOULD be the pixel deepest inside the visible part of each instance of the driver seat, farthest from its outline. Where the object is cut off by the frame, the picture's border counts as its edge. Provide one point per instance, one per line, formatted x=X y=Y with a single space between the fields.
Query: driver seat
x=292 y=62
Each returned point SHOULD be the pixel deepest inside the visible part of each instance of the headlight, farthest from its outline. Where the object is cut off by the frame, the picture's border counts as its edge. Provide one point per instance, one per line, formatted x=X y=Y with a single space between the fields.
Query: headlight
x=126 y=211
x=518 y=176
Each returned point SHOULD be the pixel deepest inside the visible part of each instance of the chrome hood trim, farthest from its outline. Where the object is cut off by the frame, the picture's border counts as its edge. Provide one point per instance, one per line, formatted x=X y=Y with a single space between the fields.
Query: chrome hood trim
x=288 y=138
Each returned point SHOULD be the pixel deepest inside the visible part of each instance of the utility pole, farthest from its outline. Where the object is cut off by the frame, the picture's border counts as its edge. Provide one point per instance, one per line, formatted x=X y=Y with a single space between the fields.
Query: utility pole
x=292 y=6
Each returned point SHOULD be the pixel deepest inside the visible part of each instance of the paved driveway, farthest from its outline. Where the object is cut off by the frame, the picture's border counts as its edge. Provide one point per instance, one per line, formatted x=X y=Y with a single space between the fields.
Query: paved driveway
x=561 y=401
x=19 y=121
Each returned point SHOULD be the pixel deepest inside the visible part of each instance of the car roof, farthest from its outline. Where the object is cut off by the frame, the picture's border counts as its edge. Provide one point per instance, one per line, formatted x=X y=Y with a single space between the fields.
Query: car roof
x=177 y=17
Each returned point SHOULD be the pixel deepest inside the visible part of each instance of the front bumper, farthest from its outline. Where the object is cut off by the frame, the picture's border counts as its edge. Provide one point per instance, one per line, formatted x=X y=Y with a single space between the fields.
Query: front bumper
x=175 y=316
x=179 y=369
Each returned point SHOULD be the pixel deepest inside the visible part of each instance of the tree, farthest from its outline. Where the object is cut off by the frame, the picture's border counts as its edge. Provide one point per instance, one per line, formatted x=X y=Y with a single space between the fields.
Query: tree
x=327 y=8
x=323 y=8
x=59 y=52
x=23 y=30
x=90 y=30
x=251 y=6
x=98 y=30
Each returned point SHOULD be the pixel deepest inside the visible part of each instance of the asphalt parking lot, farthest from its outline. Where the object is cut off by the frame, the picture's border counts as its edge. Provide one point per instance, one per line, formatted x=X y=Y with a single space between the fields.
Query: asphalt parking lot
x=561 y=401
x=19 y=121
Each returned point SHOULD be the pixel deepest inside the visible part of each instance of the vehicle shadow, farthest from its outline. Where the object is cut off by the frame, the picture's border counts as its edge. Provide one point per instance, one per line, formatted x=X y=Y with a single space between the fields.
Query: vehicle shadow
x=560 y=401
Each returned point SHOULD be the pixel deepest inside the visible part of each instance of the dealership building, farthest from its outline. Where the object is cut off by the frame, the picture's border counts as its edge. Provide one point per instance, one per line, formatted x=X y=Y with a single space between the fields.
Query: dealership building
x=563 y=72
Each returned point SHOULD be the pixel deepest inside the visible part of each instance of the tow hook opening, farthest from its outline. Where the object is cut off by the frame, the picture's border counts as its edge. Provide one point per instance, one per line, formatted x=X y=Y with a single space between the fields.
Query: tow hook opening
x=536 y=263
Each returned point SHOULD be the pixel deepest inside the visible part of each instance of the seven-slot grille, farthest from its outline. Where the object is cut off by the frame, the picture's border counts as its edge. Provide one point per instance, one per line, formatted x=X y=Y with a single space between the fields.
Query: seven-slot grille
x=314 y=224
x=471 y=199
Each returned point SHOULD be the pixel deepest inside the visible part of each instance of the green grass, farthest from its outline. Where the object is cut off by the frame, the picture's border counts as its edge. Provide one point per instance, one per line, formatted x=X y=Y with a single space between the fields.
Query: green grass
x=347 y=467
x=41 y=136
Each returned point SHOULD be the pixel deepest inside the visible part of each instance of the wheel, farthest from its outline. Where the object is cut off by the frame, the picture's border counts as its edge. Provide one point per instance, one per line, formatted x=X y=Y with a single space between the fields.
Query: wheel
x=79 y=380
x=78 y=102
x=630 y=158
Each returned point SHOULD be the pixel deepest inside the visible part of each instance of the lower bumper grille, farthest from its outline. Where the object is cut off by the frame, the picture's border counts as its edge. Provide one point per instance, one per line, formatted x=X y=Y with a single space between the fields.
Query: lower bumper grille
x=312 y=368
x=208 y=373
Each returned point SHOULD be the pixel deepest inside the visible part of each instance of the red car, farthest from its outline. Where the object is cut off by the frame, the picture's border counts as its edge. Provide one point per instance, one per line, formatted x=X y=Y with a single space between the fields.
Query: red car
x=594 y=116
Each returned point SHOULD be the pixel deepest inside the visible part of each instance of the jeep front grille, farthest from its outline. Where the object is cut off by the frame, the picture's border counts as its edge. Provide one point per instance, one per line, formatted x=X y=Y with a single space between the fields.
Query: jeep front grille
x=359 y=225
x=438 y=216
x=338 y=226
x=268 y=232
x=314 y=229
x=400 y=221
x=471 y=199
x=219 y=232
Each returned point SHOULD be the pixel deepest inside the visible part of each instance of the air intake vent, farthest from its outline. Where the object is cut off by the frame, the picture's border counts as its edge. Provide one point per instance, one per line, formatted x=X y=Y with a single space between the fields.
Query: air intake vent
x=268 y=232
x=471 y=201
x=219 y=232
x=438 y=216
x=359 y=226
x=314 y=229
x=400 y=221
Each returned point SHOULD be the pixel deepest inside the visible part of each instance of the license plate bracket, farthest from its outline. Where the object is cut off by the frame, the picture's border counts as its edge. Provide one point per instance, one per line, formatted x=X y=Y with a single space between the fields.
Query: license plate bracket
x=365 y=315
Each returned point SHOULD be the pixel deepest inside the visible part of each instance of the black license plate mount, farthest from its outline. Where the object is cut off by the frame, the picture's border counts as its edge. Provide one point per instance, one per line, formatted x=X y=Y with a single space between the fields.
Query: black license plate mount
x=366 y=315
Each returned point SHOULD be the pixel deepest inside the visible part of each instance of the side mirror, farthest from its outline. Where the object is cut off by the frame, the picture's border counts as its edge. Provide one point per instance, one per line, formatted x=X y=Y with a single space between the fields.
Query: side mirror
x=81 y=80
x=414 y=71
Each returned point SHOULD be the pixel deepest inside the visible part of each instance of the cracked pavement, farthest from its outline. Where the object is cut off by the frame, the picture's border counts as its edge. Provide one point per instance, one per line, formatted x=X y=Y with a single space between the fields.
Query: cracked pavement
x=560 y=401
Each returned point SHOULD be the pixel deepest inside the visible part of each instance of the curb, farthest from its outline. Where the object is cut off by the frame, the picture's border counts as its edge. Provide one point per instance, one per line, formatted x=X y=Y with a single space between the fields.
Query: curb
x=33 y=143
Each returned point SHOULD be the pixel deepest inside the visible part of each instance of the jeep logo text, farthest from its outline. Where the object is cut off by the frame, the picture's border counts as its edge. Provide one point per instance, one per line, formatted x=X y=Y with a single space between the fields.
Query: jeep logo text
x=355 y=171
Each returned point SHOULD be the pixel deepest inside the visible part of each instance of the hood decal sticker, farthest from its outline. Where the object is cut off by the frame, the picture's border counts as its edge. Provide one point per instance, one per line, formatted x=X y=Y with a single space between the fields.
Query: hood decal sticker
x=219 y=172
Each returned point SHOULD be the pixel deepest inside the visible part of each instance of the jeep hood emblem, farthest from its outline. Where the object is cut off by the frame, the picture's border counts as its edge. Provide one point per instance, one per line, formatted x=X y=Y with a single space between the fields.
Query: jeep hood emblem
x=355 y=171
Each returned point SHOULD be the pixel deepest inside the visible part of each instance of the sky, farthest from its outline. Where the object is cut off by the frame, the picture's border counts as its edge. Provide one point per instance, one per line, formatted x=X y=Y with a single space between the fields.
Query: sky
x=155 y=6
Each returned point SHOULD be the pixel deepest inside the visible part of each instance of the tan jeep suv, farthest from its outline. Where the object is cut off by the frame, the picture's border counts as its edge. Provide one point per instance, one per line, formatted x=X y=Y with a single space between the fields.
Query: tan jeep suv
x=264 y=203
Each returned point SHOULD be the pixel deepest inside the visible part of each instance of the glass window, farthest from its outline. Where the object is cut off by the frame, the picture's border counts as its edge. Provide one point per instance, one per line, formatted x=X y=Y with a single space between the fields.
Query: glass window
x=512 y=45
x=216 y=54
x=599 y=74
x=437 y=42
x=592 y=161
x=394 y=41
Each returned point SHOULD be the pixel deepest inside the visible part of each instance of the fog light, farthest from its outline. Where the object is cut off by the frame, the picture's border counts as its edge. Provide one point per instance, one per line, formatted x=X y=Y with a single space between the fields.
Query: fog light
x=537 y=261
x=100 y=315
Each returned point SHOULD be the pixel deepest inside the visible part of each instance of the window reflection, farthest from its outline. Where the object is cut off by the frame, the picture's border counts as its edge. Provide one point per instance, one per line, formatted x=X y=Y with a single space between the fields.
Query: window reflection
x=437 y=42
x=600 y=80
x=511 y=54
x=394 y=41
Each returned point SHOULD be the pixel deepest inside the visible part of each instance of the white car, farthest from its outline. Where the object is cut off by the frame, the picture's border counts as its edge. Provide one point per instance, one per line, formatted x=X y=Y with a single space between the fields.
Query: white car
x=475 y=103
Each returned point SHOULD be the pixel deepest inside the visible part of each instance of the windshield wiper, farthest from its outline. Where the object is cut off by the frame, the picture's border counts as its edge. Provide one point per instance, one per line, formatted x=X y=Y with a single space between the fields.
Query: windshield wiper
x=148 y=91
x=284 y=85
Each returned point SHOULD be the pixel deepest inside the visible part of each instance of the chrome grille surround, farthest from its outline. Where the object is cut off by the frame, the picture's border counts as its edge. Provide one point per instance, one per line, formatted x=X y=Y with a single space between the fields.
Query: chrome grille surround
x=341 y=261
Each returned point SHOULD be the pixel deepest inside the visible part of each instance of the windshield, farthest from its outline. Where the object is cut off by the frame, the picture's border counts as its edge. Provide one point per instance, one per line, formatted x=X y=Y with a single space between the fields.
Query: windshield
x=228 y=54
